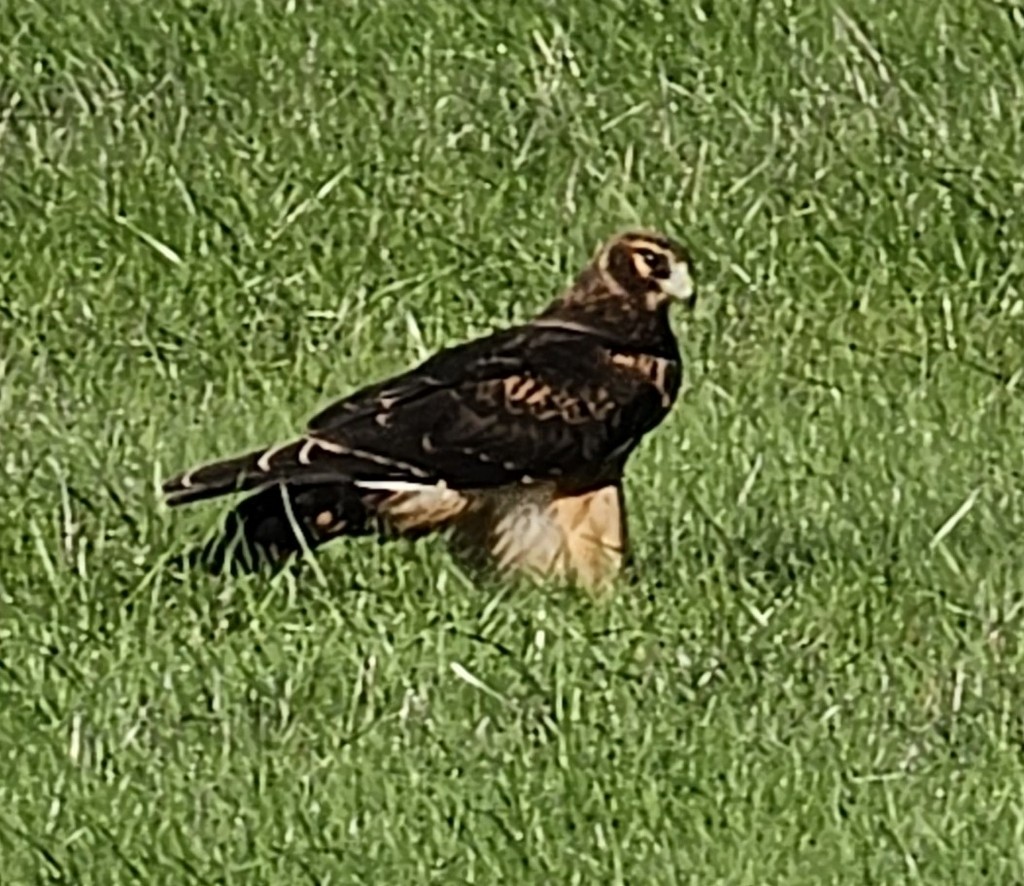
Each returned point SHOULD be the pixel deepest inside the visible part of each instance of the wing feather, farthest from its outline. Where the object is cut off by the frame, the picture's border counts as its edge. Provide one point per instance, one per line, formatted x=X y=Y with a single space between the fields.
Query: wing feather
x=523 y=405
x=526 y=404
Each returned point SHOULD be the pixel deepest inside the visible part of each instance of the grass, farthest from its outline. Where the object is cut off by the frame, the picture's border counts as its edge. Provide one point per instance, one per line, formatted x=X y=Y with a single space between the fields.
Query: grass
x=215 y=217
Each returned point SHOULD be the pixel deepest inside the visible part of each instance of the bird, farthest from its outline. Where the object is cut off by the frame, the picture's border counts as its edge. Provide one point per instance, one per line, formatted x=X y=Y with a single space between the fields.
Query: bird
x=513 y=444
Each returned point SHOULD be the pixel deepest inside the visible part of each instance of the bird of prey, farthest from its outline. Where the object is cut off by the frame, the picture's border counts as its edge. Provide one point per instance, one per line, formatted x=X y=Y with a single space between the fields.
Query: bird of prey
x=512 y=444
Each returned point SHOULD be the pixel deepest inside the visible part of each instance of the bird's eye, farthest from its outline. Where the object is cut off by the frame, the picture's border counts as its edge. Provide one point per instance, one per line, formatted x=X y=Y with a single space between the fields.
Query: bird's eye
x=655 y=261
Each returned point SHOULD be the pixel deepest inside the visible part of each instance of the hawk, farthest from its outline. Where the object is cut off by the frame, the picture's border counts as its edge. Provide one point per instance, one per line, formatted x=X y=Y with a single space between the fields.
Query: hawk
x=514 y=444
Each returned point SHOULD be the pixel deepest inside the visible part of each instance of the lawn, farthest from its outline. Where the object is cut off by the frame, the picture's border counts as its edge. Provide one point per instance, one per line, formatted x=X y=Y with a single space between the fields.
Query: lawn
x=215 y=217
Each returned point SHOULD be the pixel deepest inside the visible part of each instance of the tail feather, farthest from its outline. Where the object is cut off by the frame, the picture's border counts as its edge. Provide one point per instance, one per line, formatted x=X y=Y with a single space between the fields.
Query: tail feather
x=217 y=478
x=307 y=460
x=276 y=523
x=303 y=494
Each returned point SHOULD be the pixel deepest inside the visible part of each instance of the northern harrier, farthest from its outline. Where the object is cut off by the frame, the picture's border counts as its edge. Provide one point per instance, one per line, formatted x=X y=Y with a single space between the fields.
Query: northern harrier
x=515 y=443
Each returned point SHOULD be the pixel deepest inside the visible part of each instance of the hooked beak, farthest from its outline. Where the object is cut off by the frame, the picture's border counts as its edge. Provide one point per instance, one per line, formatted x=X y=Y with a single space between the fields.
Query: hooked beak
x=680 y=286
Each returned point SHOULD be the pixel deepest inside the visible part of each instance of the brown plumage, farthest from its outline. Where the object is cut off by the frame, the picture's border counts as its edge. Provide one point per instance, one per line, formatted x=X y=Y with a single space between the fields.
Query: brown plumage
x=515 y=442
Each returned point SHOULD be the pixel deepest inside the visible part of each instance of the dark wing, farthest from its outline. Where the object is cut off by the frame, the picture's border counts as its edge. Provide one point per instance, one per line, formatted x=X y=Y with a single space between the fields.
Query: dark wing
x=530 y=403
x=534 y=403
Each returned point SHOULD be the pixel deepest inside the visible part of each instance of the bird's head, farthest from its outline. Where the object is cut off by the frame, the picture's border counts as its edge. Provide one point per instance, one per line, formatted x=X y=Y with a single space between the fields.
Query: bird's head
x=650 y=265
x=627 y=288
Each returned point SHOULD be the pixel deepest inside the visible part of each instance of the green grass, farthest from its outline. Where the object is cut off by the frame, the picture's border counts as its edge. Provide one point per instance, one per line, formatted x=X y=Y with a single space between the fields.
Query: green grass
x=215 y=217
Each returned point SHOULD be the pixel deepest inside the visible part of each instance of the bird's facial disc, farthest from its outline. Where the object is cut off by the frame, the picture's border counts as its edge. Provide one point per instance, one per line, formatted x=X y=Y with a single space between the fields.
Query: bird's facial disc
x=662 y=267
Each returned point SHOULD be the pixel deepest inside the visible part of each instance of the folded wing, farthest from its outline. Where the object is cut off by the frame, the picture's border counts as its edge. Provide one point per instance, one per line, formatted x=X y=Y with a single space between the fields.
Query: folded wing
x=523 y=405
